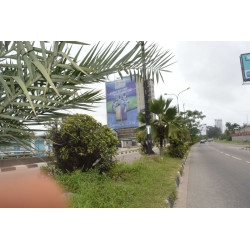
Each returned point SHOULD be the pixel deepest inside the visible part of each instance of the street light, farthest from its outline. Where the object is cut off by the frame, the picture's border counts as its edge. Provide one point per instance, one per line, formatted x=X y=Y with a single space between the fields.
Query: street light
x=177 y=96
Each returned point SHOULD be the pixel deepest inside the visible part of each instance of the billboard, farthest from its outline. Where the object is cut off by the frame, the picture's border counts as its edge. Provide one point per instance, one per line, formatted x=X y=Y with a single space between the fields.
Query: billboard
x=121 y=98
x=245 y=66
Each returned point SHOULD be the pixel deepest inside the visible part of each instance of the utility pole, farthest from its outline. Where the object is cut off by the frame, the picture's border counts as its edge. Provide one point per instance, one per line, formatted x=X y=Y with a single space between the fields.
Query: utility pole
x=146 y=97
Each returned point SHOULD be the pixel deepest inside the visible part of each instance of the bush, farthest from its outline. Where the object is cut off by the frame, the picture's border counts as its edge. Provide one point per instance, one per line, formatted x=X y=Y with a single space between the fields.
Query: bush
x=141 y=138
x=226 y=137
x=80 y=142
x=177 y=148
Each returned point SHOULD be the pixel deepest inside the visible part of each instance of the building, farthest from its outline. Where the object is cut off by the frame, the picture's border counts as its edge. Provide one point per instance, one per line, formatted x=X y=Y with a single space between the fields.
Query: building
x=38 y=147
x=124 y=101
x=242 y=134
x=203 y=129
x=218 y=124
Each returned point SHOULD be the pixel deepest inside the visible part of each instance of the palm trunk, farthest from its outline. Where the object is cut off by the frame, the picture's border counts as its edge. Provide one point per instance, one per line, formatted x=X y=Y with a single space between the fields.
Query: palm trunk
x=161 y=146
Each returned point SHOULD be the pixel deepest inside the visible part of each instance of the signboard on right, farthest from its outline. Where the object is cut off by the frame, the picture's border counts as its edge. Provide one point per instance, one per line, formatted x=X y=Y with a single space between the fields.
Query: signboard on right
x=245 y=66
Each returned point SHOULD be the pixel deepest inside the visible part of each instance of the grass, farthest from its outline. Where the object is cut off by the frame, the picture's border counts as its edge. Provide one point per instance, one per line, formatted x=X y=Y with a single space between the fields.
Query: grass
x=233 y=142
x=145 y=183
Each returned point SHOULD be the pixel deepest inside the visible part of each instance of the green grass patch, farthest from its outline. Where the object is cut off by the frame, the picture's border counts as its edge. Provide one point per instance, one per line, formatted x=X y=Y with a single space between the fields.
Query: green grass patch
x=145 y=183
x=233 y=142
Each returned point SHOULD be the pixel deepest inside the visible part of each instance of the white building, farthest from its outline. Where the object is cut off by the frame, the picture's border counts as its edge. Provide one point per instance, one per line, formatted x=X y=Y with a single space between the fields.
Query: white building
x=203 y=129
x=218 y=124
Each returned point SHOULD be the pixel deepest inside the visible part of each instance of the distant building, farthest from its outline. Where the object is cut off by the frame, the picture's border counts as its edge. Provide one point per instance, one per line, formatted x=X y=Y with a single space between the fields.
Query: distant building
x=218 y=124
x=203 y=129
x=38 y=147
x=242 y=134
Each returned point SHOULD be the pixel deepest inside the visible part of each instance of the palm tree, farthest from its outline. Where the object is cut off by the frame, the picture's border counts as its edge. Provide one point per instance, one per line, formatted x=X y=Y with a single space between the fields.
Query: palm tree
x=166 y=125
x=39 y=84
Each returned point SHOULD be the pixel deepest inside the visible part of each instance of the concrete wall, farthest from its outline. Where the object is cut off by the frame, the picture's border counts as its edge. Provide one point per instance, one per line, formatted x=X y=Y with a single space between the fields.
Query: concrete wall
x=126 y=144
x=22 y=161
x=241 y=138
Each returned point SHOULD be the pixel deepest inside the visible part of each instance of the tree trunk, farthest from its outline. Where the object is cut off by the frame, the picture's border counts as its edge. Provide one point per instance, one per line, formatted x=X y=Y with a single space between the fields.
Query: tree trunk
x=161 y=150
x=161 y=146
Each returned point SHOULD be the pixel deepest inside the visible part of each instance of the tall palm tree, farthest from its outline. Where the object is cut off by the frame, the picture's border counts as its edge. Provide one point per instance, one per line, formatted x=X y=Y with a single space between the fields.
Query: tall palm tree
x=38 y=83
x=166 y=125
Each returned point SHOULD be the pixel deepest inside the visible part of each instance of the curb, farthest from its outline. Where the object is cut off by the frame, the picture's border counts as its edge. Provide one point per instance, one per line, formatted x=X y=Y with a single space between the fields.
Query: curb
x=129 y=151
x=21 y=167
x=177 y=180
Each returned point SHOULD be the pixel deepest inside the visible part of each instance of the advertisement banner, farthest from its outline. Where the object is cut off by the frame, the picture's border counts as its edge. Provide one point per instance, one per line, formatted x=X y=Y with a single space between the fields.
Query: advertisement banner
x=245 y=66
x=122 y=103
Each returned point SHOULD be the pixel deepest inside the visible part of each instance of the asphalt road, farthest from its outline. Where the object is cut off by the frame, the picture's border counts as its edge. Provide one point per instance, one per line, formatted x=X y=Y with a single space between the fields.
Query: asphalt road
x=218 y=176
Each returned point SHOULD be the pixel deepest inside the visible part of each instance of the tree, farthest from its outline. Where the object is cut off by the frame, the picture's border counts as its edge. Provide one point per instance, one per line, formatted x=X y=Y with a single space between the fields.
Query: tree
x=39 y=84
x=80 y=142
x=165 y=125
x=214 y=132
x=230 y=129
x=192 y=121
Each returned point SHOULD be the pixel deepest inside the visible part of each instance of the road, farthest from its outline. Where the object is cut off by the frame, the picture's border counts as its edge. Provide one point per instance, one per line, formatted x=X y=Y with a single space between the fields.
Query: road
x=218 y=175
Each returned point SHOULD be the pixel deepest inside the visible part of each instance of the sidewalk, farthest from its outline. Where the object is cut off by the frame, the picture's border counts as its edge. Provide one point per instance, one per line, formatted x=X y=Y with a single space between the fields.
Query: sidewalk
x=22 y=167
x=127 y=155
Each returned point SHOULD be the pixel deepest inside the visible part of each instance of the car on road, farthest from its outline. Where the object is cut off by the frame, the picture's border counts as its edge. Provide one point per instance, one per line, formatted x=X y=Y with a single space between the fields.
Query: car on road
x=210 y=139
x=202 y=141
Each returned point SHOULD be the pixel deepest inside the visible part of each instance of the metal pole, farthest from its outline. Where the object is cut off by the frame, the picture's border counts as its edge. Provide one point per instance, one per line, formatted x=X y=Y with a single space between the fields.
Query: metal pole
x=146 y=97
x=178 y=109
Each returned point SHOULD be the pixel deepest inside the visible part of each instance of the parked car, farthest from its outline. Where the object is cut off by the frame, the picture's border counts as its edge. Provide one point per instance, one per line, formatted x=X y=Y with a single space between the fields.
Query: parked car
x=203 y=141
x=210 y=139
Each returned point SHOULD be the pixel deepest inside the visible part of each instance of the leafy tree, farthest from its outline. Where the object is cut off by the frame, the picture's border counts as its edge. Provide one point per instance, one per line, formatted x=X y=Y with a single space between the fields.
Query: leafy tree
x=165 y=125
x=214 y=132
x=80 y=142
x=230 y=129
x=231 y=126
x=39 y=84
x=192 y=121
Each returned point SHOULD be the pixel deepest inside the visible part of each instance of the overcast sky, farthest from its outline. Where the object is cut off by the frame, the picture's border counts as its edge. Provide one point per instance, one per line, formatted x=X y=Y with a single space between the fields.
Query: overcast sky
x=212 y=71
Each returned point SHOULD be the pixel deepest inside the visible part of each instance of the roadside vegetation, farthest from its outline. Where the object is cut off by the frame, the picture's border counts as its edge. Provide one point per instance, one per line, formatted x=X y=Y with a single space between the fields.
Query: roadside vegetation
x=179 y=130
x=79 y=142
x=232 y=142
x=146 y=183
x=84 y=153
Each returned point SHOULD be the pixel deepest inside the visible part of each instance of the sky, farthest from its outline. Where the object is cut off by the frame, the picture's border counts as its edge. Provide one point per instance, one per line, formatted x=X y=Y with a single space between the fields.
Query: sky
x=212 y=71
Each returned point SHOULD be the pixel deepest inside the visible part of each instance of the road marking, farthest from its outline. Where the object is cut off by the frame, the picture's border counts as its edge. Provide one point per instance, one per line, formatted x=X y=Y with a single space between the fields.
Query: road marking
x=248 y=162
x=232 y=156
x=236 y=158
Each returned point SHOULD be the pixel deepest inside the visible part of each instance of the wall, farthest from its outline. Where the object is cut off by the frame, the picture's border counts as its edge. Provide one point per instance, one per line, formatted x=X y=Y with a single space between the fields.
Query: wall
x=241 y=138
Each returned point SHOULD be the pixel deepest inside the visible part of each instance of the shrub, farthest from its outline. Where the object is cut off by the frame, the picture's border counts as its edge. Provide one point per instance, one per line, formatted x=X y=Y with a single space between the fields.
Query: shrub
x=177 y=148
x=141 y=138
x=80 y=142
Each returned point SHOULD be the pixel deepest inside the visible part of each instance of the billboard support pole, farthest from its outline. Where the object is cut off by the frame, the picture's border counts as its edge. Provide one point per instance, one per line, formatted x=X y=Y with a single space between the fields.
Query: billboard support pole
x=146 y=97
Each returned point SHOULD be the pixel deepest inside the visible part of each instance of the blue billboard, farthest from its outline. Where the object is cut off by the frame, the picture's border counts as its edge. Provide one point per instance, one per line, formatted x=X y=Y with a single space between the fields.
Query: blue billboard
x=245 y=66
x=122 y=103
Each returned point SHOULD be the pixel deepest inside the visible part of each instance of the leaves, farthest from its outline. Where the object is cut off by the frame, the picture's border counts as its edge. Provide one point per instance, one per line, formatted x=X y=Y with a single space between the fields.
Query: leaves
x=166 y=125
x=37 y=79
